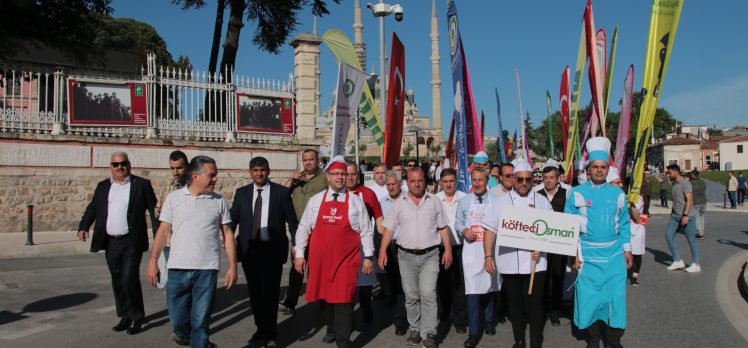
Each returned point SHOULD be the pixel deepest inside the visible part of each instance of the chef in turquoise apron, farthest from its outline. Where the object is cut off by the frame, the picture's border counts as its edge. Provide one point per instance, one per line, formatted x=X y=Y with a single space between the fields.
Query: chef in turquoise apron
x=604 y=252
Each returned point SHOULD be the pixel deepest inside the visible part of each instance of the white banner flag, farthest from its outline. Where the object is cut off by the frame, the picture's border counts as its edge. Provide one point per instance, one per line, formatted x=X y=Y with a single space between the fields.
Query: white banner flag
x=350 y=86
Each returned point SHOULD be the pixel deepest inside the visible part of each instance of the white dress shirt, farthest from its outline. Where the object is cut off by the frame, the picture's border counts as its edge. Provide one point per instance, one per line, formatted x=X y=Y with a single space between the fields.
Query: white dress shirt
x=357 y=216
x=513 y=260
x=118 y=201
x=380 y=191
x=450 y=212
x=264 y=234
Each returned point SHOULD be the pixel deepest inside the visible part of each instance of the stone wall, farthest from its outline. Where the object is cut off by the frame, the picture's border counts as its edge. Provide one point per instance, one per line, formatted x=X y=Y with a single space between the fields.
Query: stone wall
x=58 y=176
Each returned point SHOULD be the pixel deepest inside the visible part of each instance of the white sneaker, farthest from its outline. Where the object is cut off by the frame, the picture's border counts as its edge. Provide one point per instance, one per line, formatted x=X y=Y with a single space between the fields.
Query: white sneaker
x=676 y=265
x=693 y=268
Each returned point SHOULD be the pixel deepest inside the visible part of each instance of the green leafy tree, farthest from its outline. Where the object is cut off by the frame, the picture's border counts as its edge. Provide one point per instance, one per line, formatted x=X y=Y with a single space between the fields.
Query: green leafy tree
x=408 y=149
x=67 y=25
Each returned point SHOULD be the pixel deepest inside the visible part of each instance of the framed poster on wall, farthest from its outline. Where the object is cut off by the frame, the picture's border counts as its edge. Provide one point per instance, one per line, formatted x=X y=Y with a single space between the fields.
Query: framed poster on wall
x=264 y=114
x=107 y=103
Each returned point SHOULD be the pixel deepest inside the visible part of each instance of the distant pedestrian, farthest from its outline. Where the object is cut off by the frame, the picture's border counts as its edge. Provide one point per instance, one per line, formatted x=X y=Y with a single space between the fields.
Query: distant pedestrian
x=664 y=184
x=732 y=188
x=699 y=203
x=646 y=190
x=741 y=188
x=680 y=219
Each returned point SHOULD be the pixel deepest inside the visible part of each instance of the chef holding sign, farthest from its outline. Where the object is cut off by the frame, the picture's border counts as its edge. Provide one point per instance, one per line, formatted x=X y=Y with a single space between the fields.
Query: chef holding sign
x=515 y=265
x=479 y=284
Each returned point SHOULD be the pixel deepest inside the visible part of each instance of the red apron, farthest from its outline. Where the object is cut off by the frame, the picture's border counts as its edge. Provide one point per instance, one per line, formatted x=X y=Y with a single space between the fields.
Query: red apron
x=334 y=255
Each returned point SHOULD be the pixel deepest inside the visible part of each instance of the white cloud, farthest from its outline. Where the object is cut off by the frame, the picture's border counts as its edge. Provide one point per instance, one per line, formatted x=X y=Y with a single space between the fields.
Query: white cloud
x=724 y=103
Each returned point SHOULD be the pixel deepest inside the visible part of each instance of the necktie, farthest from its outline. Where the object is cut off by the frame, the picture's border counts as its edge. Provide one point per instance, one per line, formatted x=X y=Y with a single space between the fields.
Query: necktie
x=256 y=216
x=335 y=196
x=480 y=199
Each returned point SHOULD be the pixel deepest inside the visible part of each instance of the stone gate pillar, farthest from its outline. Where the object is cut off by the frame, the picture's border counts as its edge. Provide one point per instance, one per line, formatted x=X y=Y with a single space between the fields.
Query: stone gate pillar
x=306 y=80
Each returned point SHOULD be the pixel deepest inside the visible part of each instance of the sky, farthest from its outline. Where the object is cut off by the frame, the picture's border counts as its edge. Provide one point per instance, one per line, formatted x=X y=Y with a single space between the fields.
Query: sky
x=706 y=81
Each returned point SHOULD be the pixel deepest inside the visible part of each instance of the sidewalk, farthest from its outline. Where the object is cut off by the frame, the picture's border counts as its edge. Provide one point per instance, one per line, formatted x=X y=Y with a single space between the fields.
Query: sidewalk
x=64 y=243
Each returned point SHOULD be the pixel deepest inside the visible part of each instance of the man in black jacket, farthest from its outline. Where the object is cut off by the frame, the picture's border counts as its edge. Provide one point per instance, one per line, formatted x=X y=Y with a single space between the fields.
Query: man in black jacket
x=262 y=209
x=556 y=194
x=118 y=207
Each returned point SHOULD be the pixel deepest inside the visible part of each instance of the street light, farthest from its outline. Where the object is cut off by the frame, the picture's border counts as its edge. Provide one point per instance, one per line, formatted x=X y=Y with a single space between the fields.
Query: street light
x=415 y=128
x=382 y=10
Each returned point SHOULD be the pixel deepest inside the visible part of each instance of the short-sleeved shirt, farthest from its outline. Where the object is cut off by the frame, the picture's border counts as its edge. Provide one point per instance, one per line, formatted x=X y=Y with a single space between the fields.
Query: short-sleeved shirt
x=386 y=204
x=195 y=228
x=419 y=225
x=371 y=201
x=680 y=189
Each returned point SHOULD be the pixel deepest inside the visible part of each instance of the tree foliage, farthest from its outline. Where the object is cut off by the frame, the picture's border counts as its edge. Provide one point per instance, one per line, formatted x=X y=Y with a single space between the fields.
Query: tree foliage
x=68 y=25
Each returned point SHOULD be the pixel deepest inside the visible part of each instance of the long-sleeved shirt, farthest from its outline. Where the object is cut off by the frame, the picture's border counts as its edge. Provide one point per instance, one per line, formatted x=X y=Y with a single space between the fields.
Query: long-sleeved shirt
x=604 y=212
x=357 y=216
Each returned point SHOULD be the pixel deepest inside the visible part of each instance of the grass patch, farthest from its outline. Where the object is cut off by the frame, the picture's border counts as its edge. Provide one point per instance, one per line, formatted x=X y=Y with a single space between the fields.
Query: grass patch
x=716 y=176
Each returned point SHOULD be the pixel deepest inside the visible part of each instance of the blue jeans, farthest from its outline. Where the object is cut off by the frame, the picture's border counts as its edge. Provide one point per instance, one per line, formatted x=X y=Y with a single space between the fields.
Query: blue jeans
x=690 y=232
x=733 y=198
x=479 y=305
x=418 y=274
x=190 y=295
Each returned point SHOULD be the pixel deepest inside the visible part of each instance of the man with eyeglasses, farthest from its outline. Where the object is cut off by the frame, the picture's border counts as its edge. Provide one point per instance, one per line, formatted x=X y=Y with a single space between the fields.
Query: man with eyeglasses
x=118 y=207
x=515 y=264
x=604 y=252
x=336 y=228
x=507 y=180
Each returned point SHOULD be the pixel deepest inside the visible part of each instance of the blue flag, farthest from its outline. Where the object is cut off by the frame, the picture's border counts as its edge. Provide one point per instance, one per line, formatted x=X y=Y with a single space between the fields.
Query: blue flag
x=500 y=142
x=455 y=52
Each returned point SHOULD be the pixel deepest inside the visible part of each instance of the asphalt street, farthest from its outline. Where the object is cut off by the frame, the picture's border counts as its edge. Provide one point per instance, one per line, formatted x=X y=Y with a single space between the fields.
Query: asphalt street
x=68 y=302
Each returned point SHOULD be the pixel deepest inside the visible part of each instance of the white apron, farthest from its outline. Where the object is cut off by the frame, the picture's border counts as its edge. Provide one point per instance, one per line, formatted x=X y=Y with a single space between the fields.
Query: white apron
x=638 y=232
x=477 y=280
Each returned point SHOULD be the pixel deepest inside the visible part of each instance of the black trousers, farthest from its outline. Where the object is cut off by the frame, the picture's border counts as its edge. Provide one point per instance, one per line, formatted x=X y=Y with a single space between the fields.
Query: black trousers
x=263 y=273
x=340 y=315
x=612 y=335
x=525 y=309
x=555 y=284
x=451 y=287
x=295 y=281
x=399 y=315
x=637 y=264
x=123 y=260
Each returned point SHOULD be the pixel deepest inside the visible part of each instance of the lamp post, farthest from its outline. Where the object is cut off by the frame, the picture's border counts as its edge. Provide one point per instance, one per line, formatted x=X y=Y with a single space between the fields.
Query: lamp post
x=382 y=10
x=415 y=129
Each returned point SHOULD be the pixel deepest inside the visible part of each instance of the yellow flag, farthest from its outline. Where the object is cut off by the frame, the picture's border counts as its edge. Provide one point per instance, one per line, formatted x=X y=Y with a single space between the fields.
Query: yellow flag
x=662 y=27
x=343 y=50
x=574 y=106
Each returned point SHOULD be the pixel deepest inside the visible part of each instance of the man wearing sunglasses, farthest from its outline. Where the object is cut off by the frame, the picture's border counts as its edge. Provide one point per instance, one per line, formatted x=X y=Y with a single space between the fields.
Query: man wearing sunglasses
x=118 y=207
x=604 y=252
x=514 y=264
x=507 y=180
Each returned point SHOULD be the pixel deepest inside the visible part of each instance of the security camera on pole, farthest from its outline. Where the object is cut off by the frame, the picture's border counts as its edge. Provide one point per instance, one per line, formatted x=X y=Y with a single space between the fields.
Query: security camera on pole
x=382 y=10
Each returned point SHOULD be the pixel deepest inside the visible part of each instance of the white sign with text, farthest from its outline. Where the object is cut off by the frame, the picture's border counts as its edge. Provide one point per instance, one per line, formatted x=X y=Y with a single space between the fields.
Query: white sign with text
x=535 y=229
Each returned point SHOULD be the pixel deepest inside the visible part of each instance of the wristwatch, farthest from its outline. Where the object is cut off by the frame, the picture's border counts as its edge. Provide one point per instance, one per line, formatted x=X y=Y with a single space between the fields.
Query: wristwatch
x=370 y=258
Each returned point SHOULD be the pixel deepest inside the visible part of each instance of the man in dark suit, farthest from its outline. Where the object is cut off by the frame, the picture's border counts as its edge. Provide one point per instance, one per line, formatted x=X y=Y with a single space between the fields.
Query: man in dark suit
x=118 y=207
x=262 y=210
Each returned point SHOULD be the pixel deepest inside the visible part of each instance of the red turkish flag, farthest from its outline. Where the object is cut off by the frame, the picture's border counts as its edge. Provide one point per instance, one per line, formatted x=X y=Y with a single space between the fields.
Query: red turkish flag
x=393 y=129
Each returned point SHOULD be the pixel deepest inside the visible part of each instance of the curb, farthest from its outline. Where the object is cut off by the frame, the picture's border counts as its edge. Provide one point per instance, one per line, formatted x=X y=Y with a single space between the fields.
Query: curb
x=732 y=304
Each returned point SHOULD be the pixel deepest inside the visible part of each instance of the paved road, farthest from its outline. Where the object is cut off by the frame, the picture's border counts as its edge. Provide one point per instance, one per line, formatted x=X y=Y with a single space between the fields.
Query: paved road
x=67 y=302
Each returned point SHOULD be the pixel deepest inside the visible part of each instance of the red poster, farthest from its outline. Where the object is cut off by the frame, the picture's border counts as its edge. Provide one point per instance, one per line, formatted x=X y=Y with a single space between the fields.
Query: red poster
x=100 y=103
x=264 y=114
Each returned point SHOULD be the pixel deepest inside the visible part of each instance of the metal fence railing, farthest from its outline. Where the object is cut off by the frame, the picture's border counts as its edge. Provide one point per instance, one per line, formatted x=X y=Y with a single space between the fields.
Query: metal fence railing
x=178 y=103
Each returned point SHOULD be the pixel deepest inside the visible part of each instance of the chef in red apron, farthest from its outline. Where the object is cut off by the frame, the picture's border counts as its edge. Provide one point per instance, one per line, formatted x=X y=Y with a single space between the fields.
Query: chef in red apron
x=336 y=227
